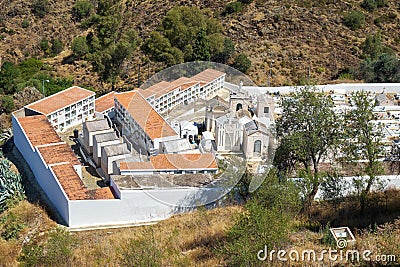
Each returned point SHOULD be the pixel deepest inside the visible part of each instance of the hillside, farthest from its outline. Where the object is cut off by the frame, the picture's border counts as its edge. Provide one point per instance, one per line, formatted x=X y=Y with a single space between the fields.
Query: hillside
x=302 y=37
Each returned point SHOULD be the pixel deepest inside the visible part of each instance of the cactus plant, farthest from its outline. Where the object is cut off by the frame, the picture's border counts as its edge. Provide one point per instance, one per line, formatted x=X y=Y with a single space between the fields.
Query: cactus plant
x=11 y=187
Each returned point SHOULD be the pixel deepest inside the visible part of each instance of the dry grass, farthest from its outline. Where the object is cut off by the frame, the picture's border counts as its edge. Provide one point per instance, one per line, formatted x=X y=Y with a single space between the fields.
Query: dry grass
x=183 y=240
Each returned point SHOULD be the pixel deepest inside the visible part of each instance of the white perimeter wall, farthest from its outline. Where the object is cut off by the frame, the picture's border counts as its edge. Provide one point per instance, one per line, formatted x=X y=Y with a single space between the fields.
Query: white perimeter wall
x=138 y=206
x=43 y=174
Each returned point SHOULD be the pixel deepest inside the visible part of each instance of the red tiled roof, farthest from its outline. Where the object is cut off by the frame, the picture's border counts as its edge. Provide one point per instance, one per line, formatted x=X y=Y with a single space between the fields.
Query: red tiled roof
x=70 y=181
x=141 y=111
x=105 y=102
x=101 y=193
x=174 y=162
x=58 y=153
x=74 y=187
x=208 y=75
x=43 y=136
x=39 y=130
x=60 y=100
x=182 y=83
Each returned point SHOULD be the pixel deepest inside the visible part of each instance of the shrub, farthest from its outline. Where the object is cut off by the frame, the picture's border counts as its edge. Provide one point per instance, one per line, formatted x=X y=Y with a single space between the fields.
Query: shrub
x=56 y=46
x=45 y=46
x=40 y=8
x=11 y=227
x=57 y=251
x=354 y=20
x=233 y=7
x=382 y=3
x=369 y=5
x=7 y=104
x=25 y=23
x=82 y=9
x=80 y=47
x=246 y=1
x=242 y=63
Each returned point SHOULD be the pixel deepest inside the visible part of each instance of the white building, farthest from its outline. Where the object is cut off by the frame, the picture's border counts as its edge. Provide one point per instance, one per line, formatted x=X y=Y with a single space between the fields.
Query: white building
x=141 y=124
x=65 y=109
x=166 y=95
x=58 y=173
x=171 y=164
x=102 y=140
x=92 y=128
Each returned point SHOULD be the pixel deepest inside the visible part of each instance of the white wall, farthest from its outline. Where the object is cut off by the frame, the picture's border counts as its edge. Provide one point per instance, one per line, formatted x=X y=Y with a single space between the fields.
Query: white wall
x=43 y=174
x=136 y=206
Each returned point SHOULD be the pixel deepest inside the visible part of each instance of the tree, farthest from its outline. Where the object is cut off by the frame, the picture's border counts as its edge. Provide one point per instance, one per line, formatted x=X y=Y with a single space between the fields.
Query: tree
x=8 y=74
x=182 y=25
x=372 y=46
x=242 y=63
x=363 y=141
x=80 y=47
x=110 y=45
x=369 y=5
x=82 y=9
x=308 y=131
x=7 y=104
x=40 y=8
x=56 y=46
x=201 y=48
x=386 y=68
x=354 y=20
x=45 y=46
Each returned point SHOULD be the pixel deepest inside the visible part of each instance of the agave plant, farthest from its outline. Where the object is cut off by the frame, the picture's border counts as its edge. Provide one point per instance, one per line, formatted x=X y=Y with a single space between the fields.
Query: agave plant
x=11 y=187
x=5 y=135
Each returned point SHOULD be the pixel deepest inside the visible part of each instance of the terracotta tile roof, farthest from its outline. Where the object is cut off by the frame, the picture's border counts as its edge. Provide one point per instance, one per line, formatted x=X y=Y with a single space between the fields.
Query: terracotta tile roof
x=74 y=187
x=60 y=100
x=174 y=162
x=141 y=111
x=39 y=130
x=70 y=181
x=208 y=75
x=58 y=153
x=182 y=83
x=101 y=193
x=104 y=102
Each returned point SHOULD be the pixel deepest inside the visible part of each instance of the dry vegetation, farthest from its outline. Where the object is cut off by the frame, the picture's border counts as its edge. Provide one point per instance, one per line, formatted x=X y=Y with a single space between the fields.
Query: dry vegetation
x=300 y=36
x=190 y=239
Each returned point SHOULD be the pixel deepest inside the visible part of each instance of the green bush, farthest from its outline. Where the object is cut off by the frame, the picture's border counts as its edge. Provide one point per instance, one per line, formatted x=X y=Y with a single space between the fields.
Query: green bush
x=369 y=5
x=80 y=47
x=82 y=9
x=242 y=63
x=354 y=20
x=45 y=46
x=267 y=221
x=233 y=7
x=57 y=251
x=11 y=226
x=7 y=104
x=40 y=8
x=382 y=3
x=25 y=23
x=56 y=46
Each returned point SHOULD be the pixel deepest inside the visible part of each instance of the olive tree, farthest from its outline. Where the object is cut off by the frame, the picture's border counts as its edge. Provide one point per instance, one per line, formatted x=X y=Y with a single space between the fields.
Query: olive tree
x=363 y=142
x=308 y=131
